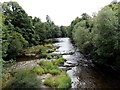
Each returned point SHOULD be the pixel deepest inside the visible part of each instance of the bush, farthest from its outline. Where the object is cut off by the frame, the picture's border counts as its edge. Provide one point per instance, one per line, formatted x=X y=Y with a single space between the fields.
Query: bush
x=43 y=55
x=48 y=65
x=24 y=79
x=8 y=63
x=59 y=81
x=50 y=68
x=59 y=56
x=54 y=71
x=5 y=77
x=48 y=45
x=50 y=51
x=49 y=57
x=38 y=70
x=49 y=82
x=63 y=80
x=61 y=60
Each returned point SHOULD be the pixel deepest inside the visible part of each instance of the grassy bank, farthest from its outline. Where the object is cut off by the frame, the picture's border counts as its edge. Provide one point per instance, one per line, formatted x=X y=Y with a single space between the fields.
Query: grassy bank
x=28 y=77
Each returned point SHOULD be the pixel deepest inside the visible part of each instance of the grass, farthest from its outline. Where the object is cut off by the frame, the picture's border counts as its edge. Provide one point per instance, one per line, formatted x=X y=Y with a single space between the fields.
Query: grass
x=55 y=71
x=49 y=82
x=27 y=78
x=58 y=61
x=50 y=68
x=48 y=65
x=38 y=70
x=49 y=56
x=50 y=50
x=59 y=81
x=5 y=78
x=24 y=78
x=35 y=49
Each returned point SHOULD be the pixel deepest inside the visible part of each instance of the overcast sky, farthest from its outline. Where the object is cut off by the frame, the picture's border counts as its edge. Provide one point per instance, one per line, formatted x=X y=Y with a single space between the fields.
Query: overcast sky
x=62 y=12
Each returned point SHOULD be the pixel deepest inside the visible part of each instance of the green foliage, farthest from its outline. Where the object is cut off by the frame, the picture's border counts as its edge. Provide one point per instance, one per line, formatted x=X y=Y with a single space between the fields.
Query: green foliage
x=98 y=36
x=63 y=80
x=17 y=43
x=35 y=32
x=49 y=56
x=24 y=79
x=47 y=65
x=50 y=51
x=49 y=82
x=38 y=70
x=55 y=71
x=58 y=61
x=59 y=81
x=8 y=63
x=105 y=34
x=5 y=78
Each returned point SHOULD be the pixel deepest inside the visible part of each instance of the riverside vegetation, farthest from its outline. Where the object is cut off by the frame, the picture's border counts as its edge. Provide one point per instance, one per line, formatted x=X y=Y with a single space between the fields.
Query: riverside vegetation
x=97 y=37
x=29 y=77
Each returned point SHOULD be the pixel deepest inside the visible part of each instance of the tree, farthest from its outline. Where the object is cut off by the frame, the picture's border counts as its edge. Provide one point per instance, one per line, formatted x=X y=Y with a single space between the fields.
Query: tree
x=17 y=43
x=104 y=40
x=16 y=16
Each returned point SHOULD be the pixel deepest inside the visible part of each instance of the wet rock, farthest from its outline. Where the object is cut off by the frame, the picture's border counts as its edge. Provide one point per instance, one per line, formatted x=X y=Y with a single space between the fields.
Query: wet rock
x=30 y=54
x=85 y=65
x=70 y=64
x=44 y=76
x=65 y=68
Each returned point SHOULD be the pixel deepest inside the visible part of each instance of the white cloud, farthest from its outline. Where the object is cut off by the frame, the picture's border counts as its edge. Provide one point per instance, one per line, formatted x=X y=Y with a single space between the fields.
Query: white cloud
x=62 y=12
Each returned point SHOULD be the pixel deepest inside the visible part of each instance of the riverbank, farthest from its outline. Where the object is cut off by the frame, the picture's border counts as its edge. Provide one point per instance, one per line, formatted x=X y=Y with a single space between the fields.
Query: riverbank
x=44 y=66
x=82 y=71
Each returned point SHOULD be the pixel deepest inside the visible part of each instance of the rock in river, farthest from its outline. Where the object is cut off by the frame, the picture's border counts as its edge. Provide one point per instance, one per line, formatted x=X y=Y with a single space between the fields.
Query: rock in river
x=70 y=64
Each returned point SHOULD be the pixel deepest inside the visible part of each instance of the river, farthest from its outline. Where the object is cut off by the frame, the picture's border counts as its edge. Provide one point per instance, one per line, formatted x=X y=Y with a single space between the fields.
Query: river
x=83 y=73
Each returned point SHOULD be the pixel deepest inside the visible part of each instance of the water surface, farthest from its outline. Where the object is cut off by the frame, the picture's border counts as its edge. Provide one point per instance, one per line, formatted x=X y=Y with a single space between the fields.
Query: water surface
x=85 y=74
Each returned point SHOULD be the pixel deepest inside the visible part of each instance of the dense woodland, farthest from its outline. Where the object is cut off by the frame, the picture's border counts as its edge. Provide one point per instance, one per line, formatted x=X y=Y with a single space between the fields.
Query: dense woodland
x=99 y=36
x=21 y=31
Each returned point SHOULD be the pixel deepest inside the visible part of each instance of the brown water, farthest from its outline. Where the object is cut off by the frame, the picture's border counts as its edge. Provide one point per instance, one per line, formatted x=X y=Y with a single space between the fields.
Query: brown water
x=85 y=74
x=26 y=58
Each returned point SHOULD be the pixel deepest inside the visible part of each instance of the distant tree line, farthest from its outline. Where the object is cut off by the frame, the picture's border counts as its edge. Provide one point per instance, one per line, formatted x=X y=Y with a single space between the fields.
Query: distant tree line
x=99 y=35
x=20 y=30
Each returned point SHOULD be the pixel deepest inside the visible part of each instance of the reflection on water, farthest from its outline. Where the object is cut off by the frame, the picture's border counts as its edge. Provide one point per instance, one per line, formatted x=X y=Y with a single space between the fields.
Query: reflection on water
x=85 y=74
x=26 y=58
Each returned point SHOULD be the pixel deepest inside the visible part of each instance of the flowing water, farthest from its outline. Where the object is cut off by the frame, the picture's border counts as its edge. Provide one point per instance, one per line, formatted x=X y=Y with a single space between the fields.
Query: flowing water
x=83 y=72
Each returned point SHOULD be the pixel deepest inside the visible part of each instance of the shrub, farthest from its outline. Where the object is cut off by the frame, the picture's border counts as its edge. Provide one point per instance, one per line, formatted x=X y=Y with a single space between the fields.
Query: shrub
x=54 y=71
x=49 y=82
x=5 y=77
x=42 y=54
x=59 y=81
x=48 y=65
x=63 y=80
x=49 y=57
x=59 y=56
x=38 y=70
x=8 y=63
x=61 y=60
x=48 y=45
x=24 y=79
x=58 y=61
x=50 y=51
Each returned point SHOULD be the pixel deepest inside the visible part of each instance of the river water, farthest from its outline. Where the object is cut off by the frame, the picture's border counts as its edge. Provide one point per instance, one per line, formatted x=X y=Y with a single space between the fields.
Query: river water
x=83 y=73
